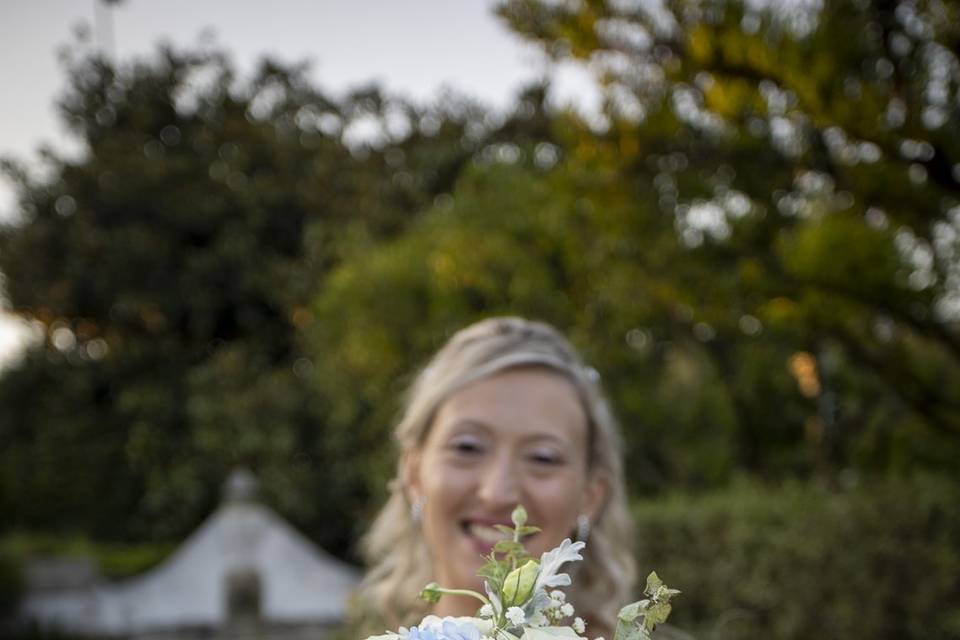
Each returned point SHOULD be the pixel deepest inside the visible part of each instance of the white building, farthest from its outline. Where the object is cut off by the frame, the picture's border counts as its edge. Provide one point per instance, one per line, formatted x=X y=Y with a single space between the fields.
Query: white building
x=244 y=572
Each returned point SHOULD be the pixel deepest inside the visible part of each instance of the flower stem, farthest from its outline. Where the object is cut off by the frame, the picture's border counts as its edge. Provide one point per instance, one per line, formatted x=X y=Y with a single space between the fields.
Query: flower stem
x=462 y=592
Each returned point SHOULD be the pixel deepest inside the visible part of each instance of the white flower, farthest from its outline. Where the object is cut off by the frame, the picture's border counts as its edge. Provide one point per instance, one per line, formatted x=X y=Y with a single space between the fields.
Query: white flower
x=538 y=620
x=551 y=561
x=558 y=595
x=486 y=611
x=515 y=616
x=578 y=625
x=567 y=609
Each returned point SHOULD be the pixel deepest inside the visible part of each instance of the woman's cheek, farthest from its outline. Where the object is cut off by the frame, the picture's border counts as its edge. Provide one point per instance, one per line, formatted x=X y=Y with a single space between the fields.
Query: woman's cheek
x=453 y=480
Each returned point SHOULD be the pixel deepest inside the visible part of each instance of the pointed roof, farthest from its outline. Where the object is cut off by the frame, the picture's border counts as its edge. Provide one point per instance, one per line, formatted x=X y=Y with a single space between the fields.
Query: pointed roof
x=298 y=582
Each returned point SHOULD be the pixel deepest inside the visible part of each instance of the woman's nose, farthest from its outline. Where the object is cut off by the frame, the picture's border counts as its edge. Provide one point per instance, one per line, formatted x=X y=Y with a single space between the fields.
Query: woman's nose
x=499 y=484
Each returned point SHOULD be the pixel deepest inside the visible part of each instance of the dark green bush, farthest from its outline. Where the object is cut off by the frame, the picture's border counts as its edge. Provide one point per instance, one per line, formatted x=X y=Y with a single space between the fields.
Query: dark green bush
x=880 y=561
x=113 y=560
x=11 y=584
x=122 y=561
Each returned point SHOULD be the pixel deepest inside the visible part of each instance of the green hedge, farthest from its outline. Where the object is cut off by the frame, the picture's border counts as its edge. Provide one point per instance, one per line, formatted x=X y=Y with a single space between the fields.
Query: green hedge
x=880 y=561
x=11 y=584
x=113 y=560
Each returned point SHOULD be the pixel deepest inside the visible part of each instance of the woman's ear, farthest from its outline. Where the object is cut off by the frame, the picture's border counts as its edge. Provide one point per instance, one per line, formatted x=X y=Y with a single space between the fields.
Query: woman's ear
x=596 y=494
x=410 y=474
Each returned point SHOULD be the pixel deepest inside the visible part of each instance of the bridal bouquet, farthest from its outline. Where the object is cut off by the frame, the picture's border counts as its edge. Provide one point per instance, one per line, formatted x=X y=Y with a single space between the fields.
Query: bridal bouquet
x=522 y=601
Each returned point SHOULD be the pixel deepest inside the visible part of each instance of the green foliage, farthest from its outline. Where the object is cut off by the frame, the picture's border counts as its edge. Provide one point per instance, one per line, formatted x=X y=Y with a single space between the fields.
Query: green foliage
x=518 y=603
x=11 y=584
x=697 y=358
x=806 y=166
x=509 y=572
x=114 y=560
x=879 y=561
x=386 y=309
x=638 y=620
x=170 y=267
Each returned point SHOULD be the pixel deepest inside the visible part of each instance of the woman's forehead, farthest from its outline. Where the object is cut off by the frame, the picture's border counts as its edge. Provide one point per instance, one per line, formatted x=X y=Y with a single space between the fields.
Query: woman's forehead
x=530 y=399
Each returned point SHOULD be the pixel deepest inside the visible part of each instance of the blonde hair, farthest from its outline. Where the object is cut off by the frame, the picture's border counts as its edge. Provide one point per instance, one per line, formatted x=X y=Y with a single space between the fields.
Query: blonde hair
x=395 y=548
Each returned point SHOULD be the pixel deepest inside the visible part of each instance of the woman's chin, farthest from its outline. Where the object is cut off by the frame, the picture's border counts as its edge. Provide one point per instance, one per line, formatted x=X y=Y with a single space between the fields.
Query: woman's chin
x=467 y=577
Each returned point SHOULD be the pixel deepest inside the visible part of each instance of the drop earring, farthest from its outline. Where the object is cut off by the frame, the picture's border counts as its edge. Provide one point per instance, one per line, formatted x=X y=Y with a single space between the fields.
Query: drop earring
x=583 y=527
x=416 y=508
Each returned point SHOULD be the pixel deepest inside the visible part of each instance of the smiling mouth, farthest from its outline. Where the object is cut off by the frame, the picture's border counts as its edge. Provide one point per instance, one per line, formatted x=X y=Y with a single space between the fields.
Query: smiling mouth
x=483 y=536
x=483 y=533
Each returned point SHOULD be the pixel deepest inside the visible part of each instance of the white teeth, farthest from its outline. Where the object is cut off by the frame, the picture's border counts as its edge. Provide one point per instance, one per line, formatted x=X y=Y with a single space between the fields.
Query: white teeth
x=485 y=533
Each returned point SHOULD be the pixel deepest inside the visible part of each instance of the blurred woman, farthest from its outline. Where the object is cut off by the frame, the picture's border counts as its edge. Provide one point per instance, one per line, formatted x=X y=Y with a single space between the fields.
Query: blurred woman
x=505 y=413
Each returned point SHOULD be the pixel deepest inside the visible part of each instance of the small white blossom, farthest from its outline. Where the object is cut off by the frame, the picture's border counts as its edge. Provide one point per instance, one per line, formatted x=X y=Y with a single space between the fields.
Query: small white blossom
x=515 y=616
x=578 y=625
x=558 y=595
x=538 y=620
x=486 y=611
x=567 y=609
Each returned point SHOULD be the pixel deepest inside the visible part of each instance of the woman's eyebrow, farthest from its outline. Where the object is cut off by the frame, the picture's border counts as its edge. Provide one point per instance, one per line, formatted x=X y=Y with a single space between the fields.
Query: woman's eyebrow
x=545 y=436
x=469 y=423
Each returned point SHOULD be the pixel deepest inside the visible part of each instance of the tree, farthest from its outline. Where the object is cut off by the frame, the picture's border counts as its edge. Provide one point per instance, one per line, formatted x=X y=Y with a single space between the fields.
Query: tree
x=170 y=267
x=748 y=254
x=806 y=157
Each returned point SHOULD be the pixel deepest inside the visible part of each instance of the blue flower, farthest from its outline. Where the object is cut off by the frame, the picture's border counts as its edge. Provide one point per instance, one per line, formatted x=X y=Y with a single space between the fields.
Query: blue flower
x=434 y=628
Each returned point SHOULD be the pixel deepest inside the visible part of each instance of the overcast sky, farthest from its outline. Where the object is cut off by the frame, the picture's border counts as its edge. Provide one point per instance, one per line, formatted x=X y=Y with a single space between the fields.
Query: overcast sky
x=411 y=47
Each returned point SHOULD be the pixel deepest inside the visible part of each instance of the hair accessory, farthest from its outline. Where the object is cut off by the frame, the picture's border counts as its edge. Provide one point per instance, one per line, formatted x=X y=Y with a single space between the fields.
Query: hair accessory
x=583 y=527
x=416 y=508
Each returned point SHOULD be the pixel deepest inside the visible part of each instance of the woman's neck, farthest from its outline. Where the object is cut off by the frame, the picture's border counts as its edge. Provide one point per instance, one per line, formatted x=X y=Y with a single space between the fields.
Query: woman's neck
x=456 y=606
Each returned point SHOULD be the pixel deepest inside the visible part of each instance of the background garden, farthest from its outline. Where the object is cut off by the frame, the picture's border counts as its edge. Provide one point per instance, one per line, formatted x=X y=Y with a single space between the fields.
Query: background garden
x=757 y=245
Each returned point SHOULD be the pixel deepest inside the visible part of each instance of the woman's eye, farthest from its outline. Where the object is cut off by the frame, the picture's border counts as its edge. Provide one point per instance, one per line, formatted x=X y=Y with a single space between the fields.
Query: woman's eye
x=466 y=447
x=545 y=457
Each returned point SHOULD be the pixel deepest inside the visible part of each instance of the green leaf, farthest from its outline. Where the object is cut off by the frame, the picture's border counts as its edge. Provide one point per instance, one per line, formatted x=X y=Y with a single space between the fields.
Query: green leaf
x=508 y=546
x=495 y=570
x=653 y=584
x=657 y=614
x=630 y=631
x=630 y=612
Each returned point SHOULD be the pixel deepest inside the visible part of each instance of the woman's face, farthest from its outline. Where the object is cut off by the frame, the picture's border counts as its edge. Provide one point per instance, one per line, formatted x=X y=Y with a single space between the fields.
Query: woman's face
x=517 y=437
